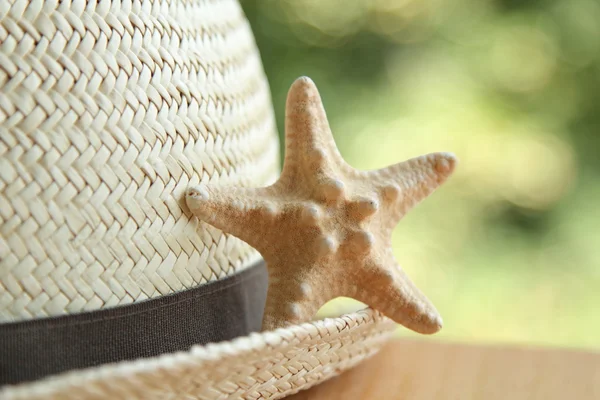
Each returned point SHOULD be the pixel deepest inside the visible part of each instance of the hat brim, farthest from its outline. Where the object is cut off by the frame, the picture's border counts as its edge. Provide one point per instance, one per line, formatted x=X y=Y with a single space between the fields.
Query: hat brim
x=267 y=365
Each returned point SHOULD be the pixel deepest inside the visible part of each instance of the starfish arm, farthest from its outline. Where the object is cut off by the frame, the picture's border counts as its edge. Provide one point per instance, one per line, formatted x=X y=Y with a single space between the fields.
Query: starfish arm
x=310 y=146
x=406 y=184
x=290 y=300
x=390 y=291
x=246 y=213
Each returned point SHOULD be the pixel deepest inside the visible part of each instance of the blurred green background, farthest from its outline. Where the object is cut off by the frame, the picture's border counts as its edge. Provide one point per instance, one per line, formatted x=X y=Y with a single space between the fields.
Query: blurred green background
x=509 y=249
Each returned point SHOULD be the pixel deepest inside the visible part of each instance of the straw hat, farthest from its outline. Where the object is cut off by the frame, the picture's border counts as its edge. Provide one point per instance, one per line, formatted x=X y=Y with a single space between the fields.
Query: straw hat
x=109 y=287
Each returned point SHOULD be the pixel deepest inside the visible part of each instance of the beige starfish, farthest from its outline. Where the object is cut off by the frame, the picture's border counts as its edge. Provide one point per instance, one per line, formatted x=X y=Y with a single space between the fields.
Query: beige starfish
x=324 y=228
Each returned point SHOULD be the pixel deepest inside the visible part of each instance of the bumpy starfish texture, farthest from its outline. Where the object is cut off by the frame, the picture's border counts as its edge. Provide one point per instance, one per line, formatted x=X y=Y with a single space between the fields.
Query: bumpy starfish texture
x=324 y=228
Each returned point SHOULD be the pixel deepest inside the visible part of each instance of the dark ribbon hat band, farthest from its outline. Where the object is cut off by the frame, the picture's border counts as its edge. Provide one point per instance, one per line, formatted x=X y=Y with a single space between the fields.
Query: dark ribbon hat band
x=217 y=311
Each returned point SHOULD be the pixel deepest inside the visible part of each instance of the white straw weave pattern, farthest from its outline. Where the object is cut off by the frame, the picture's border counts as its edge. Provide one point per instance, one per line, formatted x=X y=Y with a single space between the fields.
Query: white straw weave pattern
x=268 y=365
x=109 y=110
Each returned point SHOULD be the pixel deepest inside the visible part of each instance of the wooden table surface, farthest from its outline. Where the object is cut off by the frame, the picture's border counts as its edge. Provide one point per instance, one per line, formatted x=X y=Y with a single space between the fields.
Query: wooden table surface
x=426 y=369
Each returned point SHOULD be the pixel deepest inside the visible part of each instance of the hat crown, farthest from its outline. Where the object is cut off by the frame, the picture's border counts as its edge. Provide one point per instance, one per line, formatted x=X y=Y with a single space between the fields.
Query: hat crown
x=109 y=111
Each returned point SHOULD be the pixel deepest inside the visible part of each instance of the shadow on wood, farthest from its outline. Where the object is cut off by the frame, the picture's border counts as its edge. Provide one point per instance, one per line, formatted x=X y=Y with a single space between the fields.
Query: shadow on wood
x=420 y=370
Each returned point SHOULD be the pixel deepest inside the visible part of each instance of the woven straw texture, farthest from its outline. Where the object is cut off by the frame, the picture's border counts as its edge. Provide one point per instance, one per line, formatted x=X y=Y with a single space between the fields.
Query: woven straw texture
x=269 y=365
x=109 y=110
